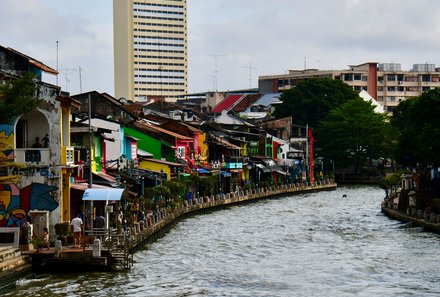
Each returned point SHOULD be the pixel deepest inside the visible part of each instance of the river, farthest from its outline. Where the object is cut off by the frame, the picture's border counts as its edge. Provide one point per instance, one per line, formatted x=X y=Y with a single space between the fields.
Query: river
x=316 y=244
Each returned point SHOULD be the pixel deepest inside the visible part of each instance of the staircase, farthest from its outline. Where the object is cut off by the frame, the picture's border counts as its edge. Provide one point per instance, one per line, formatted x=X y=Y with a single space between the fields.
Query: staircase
x=13 y=265
x=11 y=258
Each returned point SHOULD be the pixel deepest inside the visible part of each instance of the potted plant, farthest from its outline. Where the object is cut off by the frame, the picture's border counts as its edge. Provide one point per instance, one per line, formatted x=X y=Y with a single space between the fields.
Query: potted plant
x=63 y=231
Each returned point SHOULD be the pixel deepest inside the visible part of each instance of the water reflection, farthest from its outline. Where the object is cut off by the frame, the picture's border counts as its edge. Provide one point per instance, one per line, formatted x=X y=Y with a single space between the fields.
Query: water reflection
x=320 y=244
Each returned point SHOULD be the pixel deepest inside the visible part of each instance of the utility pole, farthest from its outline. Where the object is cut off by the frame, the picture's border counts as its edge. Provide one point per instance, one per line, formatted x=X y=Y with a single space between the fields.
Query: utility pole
x=250 y=74
x=90 y=159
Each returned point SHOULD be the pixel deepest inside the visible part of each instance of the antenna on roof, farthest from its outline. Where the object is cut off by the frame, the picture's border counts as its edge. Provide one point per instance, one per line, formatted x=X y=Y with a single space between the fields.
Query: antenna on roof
x=57 y=63
x=80 y=81
x=319 y=64
x=250 y=74
x=66 y=72
x=215 y=77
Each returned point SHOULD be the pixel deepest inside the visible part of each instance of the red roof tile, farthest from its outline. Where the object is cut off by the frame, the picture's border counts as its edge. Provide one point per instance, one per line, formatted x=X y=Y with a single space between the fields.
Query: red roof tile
x=227 y=103
x=246 y=102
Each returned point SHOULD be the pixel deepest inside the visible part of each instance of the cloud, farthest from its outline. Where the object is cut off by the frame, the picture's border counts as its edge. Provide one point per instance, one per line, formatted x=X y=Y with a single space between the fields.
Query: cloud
x=273 y=36
x=34 y=27
x=284 y=34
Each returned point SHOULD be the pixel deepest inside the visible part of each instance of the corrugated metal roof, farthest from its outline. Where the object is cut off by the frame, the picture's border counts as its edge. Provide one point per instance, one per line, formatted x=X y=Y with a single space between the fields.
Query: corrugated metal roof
x=268 y=99
x=161 y=130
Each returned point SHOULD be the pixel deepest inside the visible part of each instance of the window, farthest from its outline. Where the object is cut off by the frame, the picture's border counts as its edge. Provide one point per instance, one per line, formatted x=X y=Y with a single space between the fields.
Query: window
x=348 y=77
x=391 y=77
x=390 y=108
x=391 y=89
x=180 y=152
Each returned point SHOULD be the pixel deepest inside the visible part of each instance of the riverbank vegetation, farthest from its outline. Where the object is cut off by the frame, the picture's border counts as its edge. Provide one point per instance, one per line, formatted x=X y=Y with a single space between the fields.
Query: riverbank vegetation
x=354 y=137
x=348 y=131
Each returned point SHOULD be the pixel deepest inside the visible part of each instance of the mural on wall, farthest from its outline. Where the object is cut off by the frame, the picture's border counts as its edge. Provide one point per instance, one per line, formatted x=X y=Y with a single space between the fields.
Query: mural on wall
x=15 y=203
x=6 y=142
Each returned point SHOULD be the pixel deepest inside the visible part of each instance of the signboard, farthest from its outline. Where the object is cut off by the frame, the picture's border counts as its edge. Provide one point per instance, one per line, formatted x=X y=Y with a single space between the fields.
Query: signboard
x=109 y=209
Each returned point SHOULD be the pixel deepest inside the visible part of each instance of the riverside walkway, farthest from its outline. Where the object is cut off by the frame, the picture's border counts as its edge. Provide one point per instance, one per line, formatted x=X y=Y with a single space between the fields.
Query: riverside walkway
x=117 y=250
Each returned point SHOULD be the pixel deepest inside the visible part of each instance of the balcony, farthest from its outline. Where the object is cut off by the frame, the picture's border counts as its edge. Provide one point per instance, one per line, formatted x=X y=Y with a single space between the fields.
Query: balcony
x=33 y=156
x=236 y=159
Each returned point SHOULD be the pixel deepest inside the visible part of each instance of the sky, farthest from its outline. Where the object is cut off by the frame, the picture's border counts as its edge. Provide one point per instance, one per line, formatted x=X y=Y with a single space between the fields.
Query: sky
x=230 y=42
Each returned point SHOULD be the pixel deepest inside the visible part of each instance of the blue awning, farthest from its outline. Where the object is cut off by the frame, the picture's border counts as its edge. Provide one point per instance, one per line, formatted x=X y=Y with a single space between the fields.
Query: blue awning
x=226 y=174
x=103 y=194
x=202 y=170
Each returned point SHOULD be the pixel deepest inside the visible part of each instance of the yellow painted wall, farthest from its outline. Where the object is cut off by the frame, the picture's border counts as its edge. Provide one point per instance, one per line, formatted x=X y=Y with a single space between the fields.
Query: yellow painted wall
x=203 y=146
x=155 y=167
x=65 y=206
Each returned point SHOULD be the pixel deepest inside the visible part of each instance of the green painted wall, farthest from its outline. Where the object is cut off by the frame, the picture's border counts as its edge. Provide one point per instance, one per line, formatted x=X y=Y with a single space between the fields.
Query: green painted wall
x=97 y=153
x=146 y=143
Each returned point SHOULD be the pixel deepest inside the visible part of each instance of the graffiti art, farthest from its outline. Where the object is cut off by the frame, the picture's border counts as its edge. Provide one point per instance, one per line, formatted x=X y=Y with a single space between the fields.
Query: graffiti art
x=16 y=203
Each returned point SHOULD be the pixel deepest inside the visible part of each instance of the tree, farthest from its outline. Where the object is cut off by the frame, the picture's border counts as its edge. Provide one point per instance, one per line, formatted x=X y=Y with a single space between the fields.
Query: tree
x=17 y=97
x=311 y=100
x=418 y=124
x=353 y=134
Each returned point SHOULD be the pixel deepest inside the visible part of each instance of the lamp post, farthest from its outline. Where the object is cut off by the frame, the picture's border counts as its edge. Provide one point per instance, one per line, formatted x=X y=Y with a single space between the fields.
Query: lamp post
x=217 y=165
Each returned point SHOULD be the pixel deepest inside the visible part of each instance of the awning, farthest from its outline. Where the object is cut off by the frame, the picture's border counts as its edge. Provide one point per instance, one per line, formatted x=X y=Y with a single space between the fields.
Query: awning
x=225 y=174
x=144 y=153
x=282 y=172
x=202 y=170
x=105 y=176
x=263 y=168
x=102 y=194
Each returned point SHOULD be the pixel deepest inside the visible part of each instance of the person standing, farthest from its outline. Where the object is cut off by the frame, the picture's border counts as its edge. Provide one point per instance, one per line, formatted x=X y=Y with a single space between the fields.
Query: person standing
x=135 y=207
x=46 y=242
x=46 y=140
x=77 y=225
x=37 y=143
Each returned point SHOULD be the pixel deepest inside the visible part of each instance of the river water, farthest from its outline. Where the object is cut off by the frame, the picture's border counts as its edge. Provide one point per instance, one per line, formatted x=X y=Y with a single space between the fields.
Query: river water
x=316 y=244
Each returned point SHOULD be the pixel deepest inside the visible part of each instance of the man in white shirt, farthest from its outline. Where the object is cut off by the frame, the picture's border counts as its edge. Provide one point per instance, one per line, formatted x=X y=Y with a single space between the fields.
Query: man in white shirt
x=77 y=230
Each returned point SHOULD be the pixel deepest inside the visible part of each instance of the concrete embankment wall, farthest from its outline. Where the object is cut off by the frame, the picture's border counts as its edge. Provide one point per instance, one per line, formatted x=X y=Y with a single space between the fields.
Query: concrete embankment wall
x=429 y=221
x=156 y=227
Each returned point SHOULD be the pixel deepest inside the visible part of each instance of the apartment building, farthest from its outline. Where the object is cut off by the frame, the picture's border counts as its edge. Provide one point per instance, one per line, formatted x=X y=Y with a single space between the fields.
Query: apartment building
x=386 y=82
x=150 y=49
